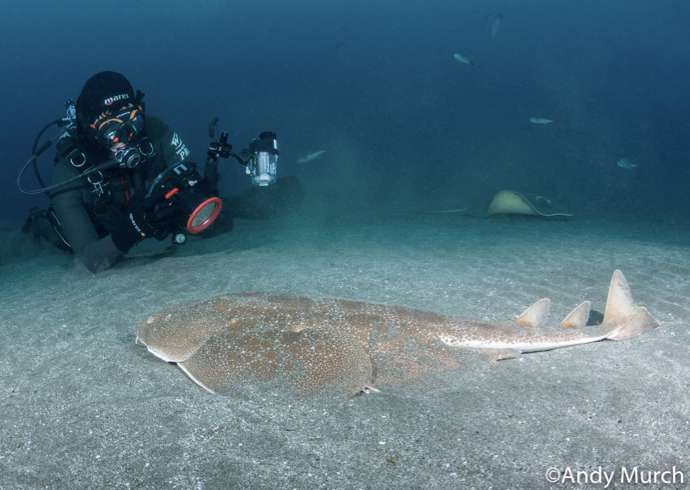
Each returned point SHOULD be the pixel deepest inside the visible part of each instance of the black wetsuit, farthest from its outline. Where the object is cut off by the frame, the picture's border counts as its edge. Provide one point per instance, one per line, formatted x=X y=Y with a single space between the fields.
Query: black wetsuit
x=86 y=215
x=81 y=220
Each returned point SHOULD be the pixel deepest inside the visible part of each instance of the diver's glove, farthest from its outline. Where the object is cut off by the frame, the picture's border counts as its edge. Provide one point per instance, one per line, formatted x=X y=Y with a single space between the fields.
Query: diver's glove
x=132 y=226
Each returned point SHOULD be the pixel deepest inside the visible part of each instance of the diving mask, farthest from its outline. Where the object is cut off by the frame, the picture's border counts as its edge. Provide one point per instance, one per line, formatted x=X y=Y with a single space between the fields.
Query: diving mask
x=120 y=133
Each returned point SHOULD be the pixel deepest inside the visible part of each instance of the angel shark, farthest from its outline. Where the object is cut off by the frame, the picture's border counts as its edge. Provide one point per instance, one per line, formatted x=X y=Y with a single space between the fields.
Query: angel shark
x=316 y=345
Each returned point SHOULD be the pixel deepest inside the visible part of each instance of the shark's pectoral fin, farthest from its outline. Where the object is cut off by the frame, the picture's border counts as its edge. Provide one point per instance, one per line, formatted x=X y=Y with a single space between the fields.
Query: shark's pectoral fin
x=535 y=315
x=365 y=390
x=578 y=317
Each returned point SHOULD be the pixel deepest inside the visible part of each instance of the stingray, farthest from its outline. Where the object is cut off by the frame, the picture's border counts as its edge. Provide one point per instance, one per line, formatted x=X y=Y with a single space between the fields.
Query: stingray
x=516 y=203
x=316 y=345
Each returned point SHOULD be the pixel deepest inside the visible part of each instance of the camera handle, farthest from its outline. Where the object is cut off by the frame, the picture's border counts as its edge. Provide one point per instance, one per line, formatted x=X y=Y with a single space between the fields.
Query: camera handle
x=260 y=159
x=217 y=149
x=221 y=148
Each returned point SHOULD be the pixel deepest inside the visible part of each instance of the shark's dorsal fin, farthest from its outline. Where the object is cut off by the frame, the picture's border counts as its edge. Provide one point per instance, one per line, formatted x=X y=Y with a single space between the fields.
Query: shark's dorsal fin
x=535 y=315
x=619 y=302
x=578 y=317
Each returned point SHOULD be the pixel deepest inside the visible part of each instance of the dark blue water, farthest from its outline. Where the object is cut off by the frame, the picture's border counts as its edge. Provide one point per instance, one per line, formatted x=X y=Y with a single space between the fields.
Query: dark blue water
x=373 y=83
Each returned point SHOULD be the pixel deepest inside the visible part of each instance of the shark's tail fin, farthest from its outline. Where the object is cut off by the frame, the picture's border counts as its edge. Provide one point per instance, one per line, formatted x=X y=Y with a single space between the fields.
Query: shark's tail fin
x=622 y=315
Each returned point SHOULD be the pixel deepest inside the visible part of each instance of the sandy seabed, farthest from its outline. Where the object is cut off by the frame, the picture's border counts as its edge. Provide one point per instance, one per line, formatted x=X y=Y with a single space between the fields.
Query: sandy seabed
x=84 y=407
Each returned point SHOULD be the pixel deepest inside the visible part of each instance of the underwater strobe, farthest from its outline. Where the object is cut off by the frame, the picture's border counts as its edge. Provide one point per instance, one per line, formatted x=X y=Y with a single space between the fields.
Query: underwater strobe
x=174 y=194
x=263 y=164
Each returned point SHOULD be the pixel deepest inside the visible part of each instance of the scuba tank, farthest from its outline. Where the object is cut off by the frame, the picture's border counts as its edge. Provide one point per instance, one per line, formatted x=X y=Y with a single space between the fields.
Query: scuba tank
x=64 y=144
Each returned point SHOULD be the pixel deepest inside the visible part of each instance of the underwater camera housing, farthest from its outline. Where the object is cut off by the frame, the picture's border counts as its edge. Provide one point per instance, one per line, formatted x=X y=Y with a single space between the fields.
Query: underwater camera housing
x=176 y=196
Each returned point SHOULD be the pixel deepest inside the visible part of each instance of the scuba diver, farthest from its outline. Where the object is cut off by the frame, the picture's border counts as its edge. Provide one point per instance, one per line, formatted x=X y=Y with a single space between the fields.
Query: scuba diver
x=122 y=175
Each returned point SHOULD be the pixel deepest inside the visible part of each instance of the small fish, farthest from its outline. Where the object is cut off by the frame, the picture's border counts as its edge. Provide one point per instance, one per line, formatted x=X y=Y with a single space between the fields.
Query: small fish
x=462 y=59
x=495 y=22
x=540 y=120
x=311 y=156
x=626 y=164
